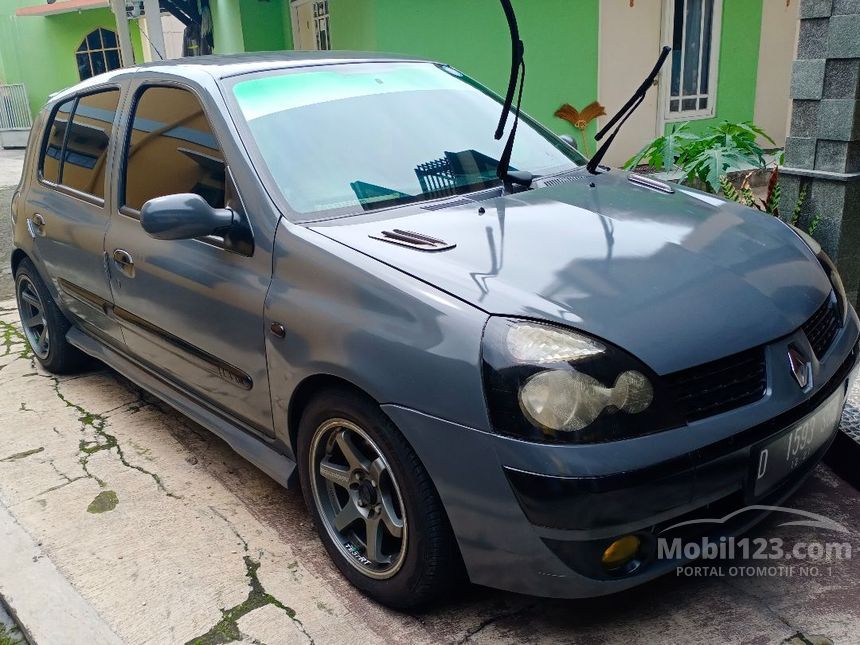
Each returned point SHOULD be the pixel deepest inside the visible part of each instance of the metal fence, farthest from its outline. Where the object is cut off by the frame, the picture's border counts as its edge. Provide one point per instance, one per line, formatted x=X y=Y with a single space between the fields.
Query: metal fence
x=15 y=118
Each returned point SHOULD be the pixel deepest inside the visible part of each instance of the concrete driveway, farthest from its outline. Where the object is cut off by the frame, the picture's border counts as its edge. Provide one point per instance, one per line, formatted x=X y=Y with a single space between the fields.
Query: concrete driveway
x=122 y=521
x=142 y=525
x=10 y=173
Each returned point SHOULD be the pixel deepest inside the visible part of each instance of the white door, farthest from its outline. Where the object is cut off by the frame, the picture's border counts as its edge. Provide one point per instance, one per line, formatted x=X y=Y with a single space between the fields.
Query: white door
x=310 y=24
x=779 y=25
x=630 y=42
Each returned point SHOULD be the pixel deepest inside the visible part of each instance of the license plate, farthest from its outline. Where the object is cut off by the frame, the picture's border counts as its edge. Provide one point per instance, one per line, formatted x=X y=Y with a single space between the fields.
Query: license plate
x=779 y=458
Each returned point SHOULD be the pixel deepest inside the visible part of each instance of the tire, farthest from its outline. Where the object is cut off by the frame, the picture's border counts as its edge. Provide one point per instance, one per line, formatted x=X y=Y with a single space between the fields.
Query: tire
x=424 y=561
x=51 y=349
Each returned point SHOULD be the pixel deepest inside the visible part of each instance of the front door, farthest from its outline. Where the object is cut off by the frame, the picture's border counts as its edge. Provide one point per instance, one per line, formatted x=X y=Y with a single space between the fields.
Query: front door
x=191 y=310
x=630 y=42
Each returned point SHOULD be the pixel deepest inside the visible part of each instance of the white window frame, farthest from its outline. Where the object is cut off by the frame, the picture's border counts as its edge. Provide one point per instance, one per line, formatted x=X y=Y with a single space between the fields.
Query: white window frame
x=713 y=68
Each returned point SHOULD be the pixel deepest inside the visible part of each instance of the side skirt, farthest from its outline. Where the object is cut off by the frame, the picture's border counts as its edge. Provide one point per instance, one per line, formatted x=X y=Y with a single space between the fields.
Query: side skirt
x=266 y=458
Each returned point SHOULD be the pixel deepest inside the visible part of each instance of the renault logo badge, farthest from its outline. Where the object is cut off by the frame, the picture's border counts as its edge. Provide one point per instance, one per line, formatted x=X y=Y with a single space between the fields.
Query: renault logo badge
x=800 y=368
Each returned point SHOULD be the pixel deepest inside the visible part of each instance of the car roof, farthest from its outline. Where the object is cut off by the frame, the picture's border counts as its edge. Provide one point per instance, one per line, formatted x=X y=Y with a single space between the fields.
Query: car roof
x=222 y=66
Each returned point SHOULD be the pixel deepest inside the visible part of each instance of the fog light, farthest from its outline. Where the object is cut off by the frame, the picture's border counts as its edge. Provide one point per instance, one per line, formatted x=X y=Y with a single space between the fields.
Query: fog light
x=620 y=552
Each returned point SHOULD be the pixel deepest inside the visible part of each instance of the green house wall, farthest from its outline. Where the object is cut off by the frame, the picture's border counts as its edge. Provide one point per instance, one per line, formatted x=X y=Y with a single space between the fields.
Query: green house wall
x=251 y=25
x=560 y=37
x=50 y=66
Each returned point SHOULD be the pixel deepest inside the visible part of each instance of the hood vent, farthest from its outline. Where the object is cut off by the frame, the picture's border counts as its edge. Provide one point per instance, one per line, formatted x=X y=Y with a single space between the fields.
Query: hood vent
x=413 y=240
x=561 y=179
x=472 y=198
x=449 y=204
x=647 y=182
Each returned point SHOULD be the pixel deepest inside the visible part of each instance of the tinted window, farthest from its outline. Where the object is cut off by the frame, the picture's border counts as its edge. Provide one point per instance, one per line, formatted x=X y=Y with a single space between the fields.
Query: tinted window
x=54 y=142
x=172 y=150
x=87 y=144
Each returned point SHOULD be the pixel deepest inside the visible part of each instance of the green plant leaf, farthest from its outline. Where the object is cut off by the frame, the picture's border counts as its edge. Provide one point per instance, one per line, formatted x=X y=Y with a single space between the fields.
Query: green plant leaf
x=729 y=189
x=771 y=205
x=748 y=197
x=795 y=214
x=755 y=130
x=712 y=163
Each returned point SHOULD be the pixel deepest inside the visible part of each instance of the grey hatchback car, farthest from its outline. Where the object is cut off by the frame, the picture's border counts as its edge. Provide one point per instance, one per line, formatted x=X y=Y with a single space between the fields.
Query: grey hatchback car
x=526 y=386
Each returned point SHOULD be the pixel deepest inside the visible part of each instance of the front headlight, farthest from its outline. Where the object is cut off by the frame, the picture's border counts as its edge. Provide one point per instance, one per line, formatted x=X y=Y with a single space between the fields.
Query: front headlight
x=548 y=383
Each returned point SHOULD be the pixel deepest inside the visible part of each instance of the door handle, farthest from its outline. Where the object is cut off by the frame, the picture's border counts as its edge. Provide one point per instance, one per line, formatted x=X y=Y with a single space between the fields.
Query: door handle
x=124 y=261
x=36 y=225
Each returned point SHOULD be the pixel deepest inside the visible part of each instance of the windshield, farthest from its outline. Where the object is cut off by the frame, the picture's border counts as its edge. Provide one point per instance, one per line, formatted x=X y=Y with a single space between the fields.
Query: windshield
x=357 y=137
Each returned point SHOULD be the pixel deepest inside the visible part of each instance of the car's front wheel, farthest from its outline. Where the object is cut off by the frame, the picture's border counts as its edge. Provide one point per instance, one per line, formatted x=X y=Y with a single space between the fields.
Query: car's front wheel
x=43 y=324
x=374 y=505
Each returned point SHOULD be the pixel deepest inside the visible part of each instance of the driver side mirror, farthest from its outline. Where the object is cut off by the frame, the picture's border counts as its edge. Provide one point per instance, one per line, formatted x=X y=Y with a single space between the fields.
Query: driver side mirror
x=569 y=140
x=183 y=217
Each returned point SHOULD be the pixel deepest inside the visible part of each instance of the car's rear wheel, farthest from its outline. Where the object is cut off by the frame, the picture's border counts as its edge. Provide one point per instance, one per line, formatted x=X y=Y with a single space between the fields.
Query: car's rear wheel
x=374 y=505
x=43 y=323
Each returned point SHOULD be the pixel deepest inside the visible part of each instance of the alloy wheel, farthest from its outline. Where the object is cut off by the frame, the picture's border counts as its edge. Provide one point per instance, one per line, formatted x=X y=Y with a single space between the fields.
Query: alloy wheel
x=358 y=498
x=32 y=312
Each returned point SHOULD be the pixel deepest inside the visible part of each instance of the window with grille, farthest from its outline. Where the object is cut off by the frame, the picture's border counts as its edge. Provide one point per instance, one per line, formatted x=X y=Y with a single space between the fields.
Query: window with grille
x=98 y=53
x=695 y=43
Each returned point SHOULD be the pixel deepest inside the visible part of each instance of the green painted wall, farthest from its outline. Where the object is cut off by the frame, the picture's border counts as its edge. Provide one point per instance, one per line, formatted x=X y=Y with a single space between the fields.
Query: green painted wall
x=560 y=37
x=39 y=51
x=251 y=25
x=353 y=24
x=262 y=25
x=738 y=68
x=136 y=40
x=227 y=26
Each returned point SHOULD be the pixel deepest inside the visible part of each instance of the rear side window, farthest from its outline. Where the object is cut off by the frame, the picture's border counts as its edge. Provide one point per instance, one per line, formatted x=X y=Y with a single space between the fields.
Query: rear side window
x=87 y=144
x=77 y=145
x=54 y=140
x=171 y=150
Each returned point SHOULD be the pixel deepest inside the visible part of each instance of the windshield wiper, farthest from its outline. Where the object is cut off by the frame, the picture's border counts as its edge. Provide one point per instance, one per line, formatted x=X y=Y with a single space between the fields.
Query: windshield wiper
x=625 y=112
x=518 y=71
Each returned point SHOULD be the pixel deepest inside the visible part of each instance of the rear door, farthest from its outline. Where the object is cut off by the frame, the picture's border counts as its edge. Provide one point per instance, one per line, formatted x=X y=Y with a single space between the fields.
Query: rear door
x=67 y=210
x=191 y=310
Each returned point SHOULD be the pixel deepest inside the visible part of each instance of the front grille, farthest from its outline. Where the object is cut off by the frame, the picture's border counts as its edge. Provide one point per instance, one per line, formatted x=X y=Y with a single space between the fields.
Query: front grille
x=721 y=385
x=822 y=327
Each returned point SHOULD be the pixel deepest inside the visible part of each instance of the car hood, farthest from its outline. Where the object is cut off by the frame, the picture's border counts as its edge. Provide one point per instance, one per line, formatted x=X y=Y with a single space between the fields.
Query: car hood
x=677 y=279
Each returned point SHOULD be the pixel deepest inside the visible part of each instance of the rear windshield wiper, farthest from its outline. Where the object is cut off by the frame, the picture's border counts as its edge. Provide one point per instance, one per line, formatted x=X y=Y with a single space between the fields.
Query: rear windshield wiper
x=625 y=112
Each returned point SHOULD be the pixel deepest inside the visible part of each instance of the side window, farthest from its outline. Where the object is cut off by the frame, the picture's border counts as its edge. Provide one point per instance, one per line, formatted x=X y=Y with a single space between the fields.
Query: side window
x=171 y=150
x=76 y=144
x=53 y=153
x=87 y=144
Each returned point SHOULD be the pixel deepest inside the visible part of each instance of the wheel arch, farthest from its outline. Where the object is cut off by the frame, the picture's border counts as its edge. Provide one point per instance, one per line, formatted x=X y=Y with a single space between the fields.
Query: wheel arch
x=17 y=256
x=306 y=390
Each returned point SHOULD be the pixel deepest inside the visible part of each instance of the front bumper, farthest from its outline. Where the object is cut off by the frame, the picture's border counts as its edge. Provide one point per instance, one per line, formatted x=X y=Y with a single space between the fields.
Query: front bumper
x=534 y=518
